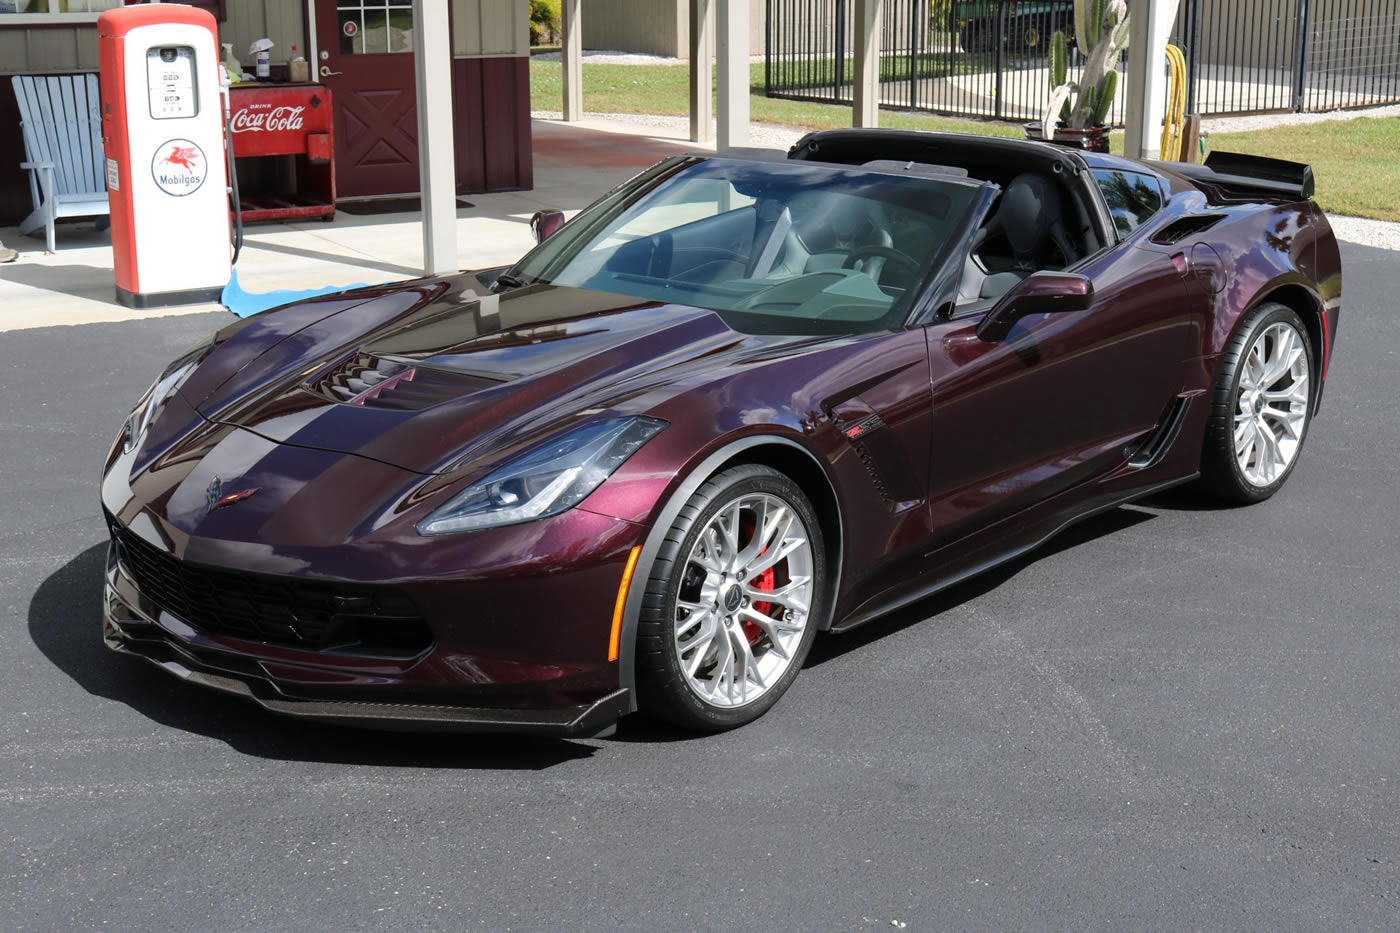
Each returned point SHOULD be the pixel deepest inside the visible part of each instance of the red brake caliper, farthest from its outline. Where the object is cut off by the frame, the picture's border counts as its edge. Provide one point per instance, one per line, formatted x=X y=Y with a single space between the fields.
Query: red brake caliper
x=764 y=581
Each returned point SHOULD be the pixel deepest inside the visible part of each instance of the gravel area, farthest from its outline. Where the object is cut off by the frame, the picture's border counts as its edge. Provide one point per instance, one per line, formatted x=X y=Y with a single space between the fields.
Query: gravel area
x=1379 y=233
x=1266 y=121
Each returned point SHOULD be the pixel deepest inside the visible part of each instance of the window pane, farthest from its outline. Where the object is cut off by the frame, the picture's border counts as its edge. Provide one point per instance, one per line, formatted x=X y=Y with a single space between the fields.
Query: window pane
x=1132 y=198
x=374 y=27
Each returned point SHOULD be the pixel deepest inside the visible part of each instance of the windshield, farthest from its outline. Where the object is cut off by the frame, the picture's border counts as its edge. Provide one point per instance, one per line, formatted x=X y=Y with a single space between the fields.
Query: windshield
x=779 y=247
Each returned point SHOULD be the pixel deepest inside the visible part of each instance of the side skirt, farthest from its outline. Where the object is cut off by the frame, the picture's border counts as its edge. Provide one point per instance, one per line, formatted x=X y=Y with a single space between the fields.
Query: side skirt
x=978 y=563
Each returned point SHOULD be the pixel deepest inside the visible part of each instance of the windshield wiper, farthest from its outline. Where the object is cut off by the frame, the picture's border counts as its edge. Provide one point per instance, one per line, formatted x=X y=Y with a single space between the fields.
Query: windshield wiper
x=509 y=281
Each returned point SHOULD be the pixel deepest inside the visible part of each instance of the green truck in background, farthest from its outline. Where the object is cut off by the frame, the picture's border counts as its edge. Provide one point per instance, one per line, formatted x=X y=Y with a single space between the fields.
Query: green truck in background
x=1027 y=28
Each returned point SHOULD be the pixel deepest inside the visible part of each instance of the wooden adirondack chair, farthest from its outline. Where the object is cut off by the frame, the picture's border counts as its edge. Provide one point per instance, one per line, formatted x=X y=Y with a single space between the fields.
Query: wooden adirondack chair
x=62 y=125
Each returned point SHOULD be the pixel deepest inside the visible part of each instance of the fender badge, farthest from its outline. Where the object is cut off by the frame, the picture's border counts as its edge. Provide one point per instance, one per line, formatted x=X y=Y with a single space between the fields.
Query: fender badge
x=862 y=428
x=214 y=497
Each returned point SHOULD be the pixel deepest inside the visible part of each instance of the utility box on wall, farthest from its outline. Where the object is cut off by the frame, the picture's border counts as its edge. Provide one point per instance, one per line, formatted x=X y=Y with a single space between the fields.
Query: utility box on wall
x=163 y=135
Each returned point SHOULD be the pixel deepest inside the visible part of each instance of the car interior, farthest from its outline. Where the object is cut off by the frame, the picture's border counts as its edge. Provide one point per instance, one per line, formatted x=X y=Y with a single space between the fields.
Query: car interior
x=1039 y=221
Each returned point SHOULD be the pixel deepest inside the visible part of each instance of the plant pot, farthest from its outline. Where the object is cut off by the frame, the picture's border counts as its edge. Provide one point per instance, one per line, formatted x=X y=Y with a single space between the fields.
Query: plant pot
x=1092 y=138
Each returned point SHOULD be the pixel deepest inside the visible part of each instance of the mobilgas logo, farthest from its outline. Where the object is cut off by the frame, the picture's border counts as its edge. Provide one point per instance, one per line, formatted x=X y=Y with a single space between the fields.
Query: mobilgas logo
x=179 y=167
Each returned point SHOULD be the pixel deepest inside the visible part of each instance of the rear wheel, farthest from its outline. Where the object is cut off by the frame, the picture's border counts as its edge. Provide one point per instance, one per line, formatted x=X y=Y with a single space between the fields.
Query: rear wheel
x=727 y=617
x=1261 y=406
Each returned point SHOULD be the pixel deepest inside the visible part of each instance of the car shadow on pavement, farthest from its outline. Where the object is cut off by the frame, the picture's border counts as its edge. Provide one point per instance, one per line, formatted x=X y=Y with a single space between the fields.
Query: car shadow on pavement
x=65 y=623
x=832 y=647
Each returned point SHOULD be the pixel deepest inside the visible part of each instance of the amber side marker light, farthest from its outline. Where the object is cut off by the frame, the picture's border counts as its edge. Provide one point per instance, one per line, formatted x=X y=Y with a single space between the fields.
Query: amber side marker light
x=622 y=602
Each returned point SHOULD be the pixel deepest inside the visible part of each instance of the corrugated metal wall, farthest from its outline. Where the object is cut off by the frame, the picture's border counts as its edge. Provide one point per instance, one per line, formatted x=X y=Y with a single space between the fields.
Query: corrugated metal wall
x=282 y=21
x=654 y=27
x=490 y=28
x=48 y=50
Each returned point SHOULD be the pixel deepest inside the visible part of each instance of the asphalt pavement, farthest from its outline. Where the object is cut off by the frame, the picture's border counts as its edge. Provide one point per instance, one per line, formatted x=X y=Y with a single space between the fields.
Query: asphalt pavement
x=1173 y=717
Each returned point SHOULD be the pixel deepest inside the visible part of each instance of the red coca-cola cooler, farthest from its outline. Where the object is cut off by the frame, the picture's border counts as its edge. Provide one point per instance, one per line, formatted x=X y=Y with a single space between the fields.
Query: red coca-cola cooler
x=283 y=150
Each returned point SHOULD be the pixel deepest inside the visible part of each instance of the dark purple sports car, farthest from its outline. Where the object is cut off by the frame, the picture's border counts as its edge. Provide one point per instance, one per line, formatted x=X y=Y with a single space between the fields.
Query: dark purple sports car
x=740 y=400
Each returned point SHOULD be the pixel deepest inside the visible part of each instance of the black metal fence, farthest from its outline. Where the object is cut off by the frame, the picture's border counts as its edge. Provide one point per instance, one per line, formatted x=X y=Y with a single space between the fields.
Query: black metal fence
x=988 y=58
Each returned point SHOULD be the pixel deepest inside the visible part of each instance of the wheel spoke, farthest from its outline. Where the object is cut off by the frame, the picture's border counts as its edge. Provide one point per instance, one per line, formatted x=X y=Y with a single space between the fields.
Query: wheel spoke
x=724 y=665
x=771 y=624
x=1284 y=420
x=1269 y=455
x=1280 y=356
x=775 y=555
x=1244 y=427
x=1246 y=447
x=748 y=665
x=785 y=595
x=1253 y=368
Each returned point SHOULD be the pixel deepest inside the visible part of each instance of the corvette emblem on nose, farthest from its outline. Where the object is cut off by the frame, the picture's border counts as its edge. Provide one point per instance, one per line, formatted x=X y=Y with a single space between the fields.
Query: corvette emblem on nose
x=214 y=497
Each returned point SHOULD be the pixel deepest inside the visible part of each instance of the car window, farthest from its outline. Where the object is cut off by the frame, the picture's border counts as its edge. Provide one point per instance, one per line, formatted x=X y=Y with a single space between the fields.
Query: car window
x=1132 y=198
x=681 y=205
x=774 y=247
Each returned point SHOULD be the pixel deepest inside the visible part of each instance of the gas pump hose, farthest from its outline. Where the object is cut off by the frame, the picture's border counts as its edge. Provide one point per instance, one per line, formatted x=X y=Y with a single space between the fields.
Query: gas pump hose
x=233 y=187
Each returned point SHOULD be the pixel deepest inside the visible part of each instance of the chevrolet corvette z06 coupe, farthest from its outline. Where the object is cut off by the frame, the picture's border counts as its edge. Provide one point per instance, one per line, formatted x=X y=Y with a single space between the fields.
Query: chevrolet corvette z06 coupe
x=740 y=401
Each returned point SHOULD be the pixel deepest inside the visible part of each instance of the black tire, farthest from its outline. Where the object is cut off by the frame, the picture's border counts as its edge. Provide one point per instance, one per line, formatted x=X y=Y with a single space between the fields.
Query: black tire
x=662 y=687
x=1221 y=474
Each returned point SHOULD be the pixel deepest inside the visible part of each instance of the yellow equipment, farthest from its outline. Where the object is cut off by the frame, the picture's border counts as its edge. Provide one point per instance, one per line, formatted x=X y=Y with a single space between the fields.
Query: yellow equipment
x=1173 y=137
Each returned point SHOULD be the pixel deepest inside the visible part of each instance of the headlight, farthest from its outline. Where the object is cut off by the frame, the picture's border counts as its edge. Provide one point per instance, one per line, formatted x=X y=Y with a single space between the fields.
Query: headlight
x=150 y=404
x=545 y=481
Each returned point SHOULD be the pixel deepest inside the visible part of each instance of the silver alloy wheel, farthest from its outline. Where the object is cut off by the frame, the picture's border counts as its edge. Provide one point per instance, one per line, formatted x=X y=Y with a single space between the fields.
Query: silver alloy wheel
x=744 y=600
x=1271 y=409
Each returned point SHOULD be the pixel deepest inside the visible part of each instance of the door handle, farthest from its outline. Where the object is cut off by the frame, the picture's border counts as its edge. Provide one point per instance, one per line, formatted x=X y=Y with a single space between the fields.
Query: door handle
x=326 y=71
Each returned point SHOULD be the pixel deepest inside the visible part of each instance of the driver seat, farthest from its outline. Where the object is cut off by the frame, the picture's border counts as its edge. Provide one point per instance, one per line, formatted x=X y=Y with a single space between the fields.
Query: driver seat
x=1030 y=218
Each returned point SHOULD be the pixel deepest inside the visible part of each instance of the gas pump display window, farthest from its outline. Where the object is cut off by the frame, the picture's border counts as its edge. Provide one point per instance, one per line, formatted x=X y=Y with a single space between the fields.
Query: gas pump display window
x=370 y=28
x=170 y=79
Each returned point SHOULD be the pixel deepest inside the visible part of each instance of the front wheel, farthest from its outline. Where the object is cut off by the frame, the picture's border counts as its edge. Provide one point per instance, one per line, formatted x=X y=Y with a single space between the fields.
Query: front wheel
x=729 y=609
x=1261 y=406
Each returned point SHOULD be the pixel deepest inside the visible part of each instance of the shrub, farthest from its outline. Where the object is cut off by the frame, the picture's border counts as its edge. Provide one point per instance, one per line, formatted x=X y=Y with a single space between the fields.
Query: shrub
x=544 y=21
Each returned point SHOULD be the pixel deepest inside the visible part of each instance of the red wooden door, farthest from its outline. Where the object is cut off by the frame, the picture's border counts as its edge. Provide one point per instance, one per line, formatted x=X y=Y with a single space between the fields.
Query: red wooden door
x=366 y=58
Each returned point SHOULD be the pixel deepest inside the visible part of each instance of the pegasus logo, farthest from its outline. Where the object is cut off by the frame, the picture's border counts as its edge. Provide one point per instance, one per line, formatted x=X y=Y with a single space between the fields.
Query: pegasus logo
x=215 y=499
x=183 y=156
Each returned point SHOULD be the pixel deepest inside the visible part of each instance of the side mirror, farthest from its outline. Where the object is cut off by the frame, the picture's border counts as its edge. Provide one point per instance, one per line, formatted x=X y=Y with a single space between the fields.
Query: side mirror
x=1038 y=293
x=545 y=224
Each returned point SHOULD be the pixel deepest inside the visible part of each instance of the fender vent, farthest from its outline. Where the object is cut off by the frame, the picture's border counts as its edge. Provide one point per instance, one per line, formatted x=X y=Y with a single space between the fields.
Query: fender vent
x=1152 y=452
x=1178 y=230
x=864 y=453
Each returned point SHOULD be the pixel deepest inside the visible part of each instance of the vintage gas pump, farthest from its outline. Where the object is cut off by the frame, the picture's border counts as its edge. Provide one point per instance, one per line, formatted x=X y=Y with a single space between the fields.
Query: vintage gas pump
x=167 y=176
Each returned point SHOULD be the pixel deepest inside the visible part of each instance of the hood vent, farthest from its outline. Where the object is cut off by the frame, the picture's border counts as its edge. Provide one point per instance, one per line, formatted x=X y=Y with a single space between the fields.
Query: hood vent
x=376 y=382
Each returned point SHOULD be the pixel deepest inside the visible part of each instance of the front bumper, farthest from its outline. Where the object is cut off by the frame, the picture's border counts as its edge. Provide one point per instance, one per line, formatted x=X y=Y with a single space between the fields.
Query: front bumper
x=126 y=630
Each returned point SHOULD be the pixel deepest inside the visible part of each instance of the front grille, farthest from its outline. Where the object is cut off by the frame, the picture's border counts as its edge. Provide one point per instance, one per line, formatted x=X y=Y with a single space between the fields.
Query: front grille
x=351 y=619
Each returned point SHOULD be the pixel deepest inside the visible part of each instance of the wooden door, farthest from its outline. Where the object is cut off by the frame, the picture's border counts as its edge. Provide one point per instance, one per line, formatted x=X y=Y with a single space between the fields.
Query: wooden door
x=366 y=58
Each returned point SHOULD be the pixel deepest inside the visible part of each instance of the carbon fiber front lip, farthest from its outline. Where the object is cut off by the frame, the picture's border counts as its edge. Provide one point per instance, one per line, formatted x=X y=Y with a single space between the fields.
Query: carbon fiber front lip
x=156 y=646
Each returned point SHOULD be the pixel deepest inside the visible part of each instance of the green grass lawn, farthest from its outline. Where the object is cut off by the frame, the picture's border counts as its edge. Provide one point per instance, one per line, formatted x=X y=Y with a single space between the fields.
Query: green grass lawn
x=1355 y=161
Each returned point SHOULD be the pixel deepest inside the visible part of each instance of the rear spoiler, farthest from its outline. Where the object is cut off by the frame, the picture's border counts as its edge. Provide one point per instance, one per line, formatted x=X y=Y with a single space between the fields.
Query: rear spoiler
x=1240 y=175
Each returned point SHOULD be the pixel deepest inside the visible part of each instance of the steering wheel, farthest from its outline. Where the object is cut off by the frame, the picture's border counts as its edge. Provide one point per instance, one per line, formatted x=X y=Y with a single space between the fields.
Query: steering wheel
x=888 y=252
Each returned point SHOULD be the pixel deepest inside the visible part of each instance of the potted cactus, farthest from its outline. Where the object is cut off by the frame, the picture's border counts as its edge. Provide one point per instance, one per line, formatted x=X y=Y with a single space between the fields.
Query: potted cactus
x=1076 y=112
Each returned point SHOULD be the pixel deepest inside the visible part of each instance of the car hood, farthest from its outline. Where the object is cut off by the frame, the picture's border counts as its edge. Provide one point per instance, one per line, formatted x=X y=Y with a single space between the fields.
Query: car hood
x=429 y=375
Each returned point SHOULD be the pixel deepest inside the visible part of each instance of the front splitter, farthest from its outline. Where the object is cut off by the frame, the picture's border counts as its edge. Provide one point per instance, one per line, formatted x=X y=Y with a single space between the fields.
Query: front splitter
x=143 y=638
